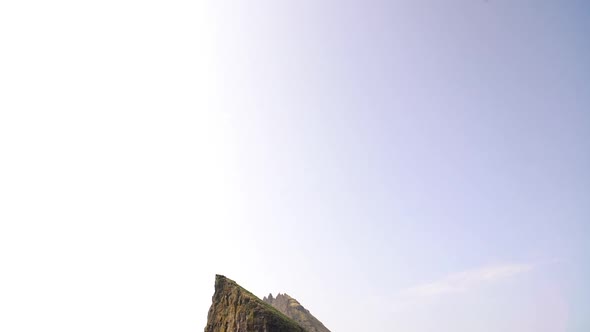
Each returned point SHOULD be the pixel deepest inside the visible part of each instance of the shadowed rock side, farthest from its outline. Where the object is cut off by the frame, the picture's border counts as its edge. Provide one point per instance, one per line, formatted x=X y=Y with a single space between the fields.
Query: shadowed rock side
x=234 y=309
x=292 y=309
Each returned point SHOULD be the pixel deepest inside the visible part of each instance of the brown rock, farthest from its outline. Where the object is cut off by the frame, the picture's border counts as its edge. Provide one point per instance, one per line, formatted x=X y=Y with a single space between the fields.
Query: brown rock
x=294 y=310
x=234 y=309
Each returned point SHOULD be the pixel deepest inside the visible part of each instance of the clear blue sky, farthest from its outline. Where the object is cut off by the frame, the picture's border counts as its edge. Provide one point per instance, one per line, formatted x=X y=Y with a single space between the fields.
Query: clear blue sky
x=394 y=165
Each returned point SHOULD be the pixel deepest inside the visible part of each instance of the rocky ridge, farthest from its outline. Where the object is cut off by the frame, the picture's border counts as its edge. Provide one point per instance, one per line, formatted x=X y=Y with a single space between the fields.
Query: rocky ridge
x=294 y=310
x=237 y=310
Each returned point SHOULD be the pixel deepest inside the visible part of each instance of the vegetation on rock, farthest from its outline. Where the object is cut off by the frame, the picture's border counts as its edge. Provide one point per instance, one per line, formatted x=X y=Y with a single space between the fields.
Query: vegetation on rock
x=237 y=310
x=294 y=310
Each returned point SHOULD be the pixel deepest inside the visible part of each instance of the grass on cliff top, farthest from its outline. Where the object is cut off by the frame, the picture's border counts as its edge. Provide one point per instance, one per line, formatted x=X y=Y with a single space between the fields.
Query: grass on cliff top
x=258 y=305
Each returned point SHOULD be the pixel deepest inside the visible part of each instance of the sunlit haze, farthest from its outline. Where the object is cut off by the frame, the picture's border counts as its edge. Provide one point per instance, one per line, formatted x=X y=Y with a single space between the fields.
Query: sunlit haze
x=409 y=166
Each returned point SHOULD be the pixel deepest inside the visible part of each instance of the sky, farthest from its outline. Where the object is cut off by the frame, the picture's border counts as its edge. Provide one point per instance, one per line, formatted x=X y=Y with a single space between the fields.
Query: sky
x=394 y=165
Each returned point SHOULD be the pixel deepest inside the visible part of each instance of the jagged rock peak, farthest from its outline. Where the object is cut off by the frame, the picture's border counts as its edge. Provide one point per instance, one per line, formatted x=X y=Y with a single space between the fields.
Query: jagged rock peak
x=294 y=310
x=268 y=299
x=237 y=310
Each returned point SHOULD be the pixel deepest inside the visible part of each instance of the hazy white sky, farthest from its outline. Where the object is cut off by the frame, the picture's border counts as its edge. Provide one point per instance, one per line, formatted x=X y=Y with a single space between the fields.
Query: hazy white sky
x=394 y=165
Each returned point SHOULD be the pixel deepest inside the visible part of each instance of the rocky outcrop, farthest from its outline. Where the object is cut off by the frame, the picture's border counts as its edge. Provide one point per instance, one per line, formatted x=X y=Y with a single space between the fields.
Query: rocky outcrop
x=234 y=309
x=294 y=310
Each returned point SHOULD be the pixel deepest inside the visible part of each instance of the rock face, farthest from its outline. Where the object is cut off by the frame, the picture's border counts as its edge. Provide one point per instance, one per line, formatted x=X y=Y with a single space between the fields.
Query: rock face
x=294 y=310
x=234 y=309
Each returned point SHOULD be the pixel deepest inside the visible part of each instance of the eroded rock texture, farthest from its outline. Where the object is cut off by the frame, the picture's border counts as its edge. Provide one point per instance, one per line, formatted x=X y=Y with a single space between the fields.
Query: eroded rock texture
x=294 y=310
x=234 y=309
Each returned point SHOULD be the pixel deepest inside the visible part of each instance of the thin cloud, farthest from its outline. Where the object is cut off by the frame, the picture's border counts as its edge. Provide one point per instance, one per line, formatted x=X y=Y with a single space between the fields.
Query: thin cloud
x=466 y=280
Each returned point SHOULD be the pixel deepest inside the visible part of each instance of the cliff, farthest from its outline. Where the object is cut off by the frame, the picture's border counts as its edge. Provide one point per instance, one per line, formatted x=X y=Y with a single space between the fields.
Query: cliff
x=237 y=310
x=294 y=310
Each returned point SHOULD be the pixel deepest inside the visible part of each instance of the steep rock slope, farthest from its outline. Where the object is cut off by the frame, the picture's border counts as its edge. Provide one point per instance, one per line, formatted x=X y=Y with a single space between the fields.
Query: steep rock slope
x=234 y=309
x=294 y=310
